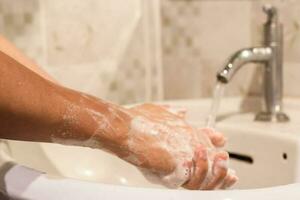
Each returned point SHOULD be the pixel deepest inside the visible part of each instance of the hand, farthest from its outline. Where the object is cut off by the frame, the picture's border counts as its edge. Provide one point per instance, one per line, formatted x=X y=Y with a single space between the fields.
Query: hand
x=168 y=150
x=162 y=145
x=217 y=138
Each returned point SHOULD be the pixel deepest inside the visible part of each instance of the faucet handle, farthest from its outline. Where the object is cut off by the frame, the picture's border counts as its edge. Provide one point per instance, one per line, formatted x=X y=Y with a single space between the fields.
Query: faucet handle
x=271 y=12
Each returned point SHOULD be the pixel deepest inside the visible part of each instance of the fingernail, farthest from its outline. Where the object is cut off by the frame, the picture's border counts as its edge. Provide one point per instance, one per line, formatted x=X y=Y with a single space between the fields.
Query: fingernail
x=201 y=153
x=220 y=166
x=235 y=178
x=221 y=163
x=218 y=134
x=208 y=130
x=188 y=164
x=232 y=172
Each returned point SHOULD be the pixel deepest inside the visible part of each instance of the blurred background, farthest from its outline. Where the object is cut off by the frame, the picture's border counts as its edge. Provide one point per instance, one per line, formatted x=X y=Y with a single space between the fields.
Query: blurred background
x=140 y=50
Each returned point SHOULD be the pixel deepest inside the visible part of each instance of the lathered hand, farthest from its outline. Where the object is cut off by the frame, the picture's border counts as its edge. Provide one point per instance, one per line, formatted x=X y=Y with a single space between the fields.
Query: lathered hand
x=171 y=152
x=217 y=138
x=160 y=143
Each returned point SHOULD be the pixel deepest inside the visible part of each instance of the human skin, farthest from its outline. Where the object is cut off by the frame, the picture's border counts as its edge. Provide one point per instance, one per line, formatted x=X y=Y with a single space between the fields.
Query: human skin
x=33 y=107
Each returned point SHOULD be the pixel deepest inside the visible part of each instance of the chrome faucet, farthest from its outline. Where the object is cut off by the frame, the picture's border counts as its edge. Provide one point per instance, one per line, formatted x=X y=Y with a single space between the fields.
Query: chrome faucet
x=271 y=55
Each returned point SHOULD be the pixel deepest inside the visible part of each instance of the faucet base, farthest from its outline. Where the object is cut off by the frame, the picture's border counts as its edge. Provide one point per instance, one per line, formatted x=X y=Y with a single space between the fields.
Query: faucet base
x=272 y=117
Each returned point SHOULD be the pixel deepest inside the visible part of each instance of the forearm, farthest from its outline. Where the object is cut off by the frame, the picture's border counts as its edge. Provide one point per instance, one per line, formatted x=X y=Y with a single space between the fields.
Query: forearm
x=34 y=109
x=12 y=51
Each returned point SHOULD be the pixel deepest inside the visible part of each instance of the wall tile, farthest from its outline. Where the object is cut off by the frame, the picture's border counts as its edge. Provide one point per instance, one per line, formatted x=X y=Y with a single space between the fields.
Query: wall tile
x=73 y=41
x=89 y=31
x=198 y=37
x=21 y=22
x=97 y=47
x=289 y=16
x=128 y=85
x=291 y=79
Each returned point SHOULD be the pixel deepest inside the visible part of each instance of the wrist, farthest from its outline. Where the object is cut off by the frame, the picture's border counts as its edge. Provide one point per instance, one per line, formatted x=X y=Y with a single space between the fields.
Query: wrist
x=105 y=124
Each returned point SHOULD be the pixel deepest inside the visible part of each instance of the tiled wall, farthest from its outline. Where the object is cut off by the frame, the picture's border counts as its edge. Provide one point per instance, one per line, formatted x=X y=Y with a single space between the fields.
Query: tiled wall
x=95 y=46
x=82 y=45
x=199 y=35
x=20 y=23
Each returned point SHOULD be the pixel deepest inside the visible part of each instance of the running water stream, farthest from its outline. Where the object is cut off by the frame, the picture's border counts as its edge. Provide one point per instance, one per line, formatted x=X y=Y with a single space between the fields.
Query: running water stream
x=218 y=93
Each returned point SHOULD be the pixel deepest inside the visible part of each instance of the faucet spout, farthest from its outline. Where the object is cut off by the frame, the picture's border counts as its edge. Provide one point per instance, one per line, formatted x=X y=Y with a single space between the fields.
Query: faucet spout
x=240 y=58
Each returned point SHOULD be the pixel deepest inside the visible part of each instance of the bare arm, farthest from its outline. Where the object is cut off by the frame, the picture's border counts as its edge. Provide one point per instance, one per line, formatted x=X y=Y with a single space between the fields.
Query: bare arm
x=33 y=108
x=12 y=51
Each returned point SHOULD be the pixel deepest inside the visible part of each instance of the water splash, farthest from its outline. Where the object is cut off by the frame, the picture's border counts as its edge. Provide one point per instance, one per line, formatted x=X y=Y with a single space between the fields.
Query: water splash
x=218 y=93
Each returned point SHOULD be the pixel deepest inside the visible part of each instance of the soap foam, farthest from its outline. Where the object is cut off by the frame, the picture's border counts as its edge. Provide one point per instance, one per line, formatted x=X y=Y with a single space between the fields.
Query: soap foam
x=176 y=143
x=180 y=145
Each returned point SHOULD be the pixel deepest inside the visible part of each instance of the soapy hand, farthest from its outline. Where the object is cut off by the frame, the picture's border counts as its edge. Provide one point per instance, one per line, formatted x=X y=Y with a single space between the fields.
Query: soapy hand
x=171 y=152
x=159 y=141
x=217 y=138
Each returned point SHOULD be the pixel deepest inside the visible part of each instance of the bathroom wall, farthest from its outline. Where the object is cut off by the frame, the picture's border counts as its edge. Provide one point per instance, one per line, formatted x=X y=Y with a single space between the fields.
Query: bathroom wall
x=119 y=52
x=105 y=48
x=199 y=35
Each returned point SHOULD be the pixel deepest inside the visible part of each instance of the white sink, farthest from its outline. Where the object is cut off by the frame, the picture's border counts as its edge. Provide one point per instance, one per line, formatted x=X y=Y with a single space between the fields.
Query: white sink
x=264 y=154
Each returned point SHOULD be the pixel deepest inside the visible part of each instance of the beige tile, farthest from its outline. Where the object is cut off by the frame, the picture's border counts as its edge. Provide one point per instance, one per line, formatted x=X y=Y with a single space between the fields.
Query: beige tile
x=289 y=15
x=21 y=22
x=198 y=37
x=128 y=85
x=181 y=56
x=292 y=79
x=97 y=47
x=88 y=31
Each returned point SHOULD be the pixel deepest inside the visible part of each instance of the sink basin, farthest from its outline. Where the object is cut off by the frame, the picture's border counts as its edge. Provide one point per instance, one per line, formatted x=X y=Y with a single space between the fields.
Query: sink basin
x=263 y=154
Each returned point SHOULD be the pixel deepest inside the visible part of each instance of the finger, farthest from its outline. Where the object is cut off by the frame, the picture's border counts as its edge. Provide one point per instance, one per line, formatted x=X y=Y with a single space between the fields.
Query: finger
x=200 y=169
x=179 y=111
x=230 y=180
x=230 y=176
x=220 y=168
x=226 y=180
x=216 y=138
